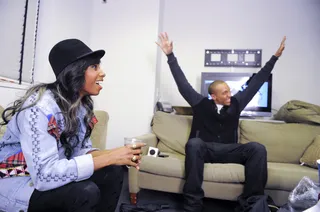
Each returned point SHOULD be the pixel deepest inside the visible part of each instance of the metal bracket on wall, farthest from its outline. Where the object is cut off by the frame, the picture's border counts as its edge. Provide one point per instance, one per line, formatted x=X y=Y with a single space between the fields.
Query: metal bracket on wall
x=233 y=57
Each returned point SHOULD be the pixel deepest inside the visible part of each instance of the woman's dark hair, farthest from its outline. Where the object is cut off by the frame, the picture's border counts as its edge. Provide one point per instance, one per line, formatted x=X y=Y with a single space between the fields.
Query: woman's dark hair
x=66 y=91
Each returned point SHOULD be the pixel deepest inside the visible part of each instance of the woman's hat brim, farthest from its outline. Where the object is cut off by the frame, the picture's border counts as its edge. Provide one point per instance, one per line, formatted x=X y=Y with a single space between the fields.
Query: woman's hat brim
x=96 y=54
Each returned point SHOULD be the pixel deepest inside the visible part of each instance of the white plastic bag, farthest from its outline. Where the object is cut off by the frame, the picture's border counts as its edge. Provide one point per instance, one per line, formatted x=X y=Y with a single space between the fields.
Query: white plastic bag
x=315 y=208
x=304 y=195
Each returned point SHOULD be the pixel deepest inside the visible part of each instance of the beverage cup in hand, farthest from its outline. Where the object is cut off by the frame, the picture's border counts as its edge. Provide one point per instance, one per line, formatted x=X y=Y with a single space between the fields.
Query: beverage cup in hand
x=132 y=142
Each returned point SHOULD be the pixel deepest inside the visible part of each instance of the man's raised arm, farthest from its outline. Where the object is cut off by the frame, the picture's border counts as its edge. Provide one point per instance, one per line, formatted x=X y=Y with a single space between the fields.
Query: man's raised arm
x=244 y=97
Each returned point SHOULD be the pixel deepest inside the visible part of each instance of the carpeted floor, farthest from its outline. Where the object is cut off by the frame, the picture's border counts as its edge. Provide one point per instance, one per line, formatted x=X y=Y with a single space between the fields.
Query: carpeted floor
x=157 y=197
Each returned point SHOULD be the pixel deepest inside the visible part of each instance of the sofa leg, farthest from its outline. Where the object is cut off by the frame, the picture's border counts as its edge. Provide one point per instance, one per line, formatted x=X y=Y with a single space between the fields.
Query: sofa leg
x=133 y=198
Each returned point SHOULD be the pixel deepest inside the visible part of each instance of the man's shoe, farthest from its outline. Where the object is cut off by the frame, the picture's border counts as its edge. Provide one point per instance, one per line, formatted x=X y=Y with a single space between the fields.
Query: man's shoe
x=193 y=208
x=272 y=205
x=273 y=208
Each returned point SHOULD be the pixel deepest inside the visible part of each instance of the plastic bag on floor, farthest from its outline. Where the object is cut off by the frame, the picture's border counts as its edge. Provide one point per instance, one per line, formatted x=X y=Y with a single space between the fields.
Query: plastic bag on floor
x=304 y=196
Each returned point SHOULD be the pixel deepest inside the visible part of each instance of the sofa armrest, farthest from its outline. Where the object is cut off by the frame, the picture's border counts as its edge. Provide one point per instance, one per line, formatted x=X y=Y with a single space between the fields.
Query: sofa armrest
x=150 y=139
x=133 y=180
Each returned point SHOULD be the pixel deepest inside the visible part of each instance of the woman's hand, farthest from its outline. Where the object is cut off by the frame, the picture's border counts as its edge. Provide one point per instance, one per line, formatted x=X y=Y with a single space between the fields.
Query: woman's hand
x=129 y=155
x=126 y=156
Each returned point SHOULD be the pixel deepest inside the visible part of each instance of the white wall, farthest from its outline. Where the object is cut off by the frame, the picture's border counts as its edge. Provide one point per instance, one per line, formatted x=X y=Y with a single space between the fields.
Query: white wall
x=59 y=20
x=127 y=30
x=204 y=24
x=9 y=95
x=11 y=29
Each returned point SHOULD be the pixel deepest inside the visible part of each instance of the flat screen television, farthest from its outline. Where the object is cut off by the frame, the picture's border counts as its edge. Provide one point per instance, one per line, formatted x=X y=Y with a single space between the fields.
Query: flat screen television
x=259 y=106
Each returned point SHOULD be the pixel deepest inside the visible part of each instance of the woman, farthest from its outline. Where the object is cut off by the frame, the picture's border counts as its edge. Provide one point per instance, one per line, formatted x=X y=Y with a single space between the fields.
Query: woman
x=47 y=160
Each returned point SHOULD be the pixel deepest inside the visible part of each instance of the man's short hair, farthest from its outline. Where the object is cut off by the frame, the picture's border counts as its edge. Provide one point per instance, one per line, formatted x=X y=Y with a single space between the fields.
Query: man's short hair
x=213 y=85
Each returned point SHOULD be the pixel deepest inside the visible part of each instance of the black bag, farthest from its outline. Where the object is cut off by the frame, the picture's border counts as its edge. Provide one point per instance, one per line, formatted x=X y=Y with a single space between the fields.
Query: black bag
x=147 y=208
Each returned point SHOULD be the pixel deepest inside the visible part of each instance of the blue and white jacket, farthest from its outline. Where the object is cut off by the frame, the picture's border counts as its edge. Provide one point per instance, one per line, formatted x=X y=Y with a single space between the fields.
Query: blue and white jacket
x=31 y=155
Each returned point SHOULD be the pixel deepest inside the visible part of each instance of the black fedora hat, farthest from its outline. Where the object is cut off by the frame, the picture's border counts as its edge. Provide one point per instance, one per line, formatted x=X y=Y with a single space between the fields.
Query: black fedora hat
x=68 y=51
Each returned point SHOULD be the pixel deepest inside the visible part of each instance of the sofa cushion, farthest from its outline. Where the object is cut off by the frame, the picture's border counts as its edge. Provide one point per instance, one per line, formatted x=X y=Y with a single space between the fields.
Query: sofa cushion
x=284 y=142
x=281 y=176
x=163 y=148
x=172 y=131
x=286 y=176
x=173 y=166
x=312 y=154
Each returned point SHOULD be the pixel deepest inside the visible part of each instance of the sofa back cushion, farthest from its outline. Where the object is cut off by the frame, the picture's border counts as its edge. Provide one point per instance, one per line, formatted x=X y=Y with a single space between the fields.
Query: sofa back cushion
x=99 y=133
x=172 y=131
x=312 y=154
x=284 y=142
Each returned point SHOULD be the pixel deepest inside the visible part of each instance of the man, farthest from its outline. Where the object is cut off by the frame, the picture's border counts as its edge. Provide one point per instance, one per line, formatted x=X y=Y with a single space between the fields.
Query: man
x=213 y=136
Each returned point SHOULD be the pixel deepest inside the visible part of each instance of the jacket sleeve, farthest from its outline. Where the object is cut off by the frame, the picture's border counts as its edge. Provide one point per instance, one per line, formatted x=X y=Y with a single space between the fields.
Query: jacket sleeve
x=244 y=97
x=85 y=148
x=185 y=89
x=40 y=150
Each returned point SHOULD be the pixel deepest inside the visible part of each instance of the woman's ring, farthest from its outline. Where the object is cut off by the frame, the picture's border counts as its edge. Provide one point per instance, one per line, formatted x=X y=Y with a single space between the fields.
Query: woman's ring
x=134 y=158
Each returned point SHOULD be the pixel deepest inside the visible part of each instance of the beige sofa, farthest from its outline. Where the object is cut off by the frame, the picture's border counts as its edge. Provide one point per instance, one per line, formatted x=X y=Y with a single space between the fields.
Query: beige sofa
x=285 y=144
x=98 y=135
x=99 y=132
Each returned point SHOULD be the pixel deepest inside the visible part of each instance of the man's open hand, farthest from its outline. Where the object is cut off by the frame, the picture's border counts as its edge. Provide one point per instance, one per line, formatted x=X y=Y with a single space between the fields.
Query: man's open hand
x=165 y=44
x=281 y=48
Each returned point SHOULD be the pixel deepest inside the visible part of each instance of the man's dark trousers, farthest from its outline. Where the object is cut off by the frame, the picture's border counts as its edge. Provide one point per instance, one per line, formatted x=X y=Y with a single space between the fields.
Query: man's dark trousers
x=252 y=155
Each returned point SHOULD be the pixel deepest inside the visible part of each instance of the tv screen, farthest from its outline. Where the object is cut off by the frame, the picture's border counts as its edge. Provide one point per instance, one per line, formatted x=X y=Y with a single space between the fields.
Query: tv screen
x=260 y=105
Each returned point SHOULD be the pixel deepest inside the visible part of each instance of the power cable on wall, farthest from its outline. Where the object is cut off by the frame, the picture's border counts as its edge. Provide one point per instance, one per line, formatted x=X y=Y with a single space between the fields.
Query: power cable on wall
x=35 y=44
x=23 y=40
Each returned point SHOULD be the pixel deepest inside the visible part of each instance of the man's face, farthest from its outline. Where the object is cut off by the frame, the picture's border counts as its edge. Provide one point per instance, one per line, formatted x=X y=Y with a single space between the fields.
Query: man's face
x=221 y=94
